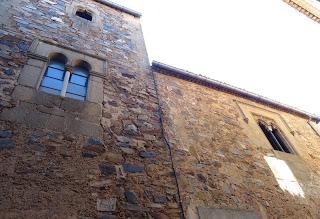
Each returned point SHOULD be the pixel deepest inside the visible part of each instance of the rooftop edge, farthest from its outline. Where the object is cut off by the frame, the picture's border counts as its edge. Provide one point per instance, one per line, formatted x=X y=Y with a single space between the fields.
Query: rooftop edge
x=199 y=79
x=120 y=8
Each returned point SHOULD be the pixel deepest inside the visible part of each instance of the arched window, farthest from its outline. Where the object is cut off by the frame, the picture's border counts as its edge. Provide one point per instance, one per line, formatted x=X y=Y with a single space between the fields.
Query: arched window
x=53 y=78
x=78 y=82
x=59 y=81
x=275 y=137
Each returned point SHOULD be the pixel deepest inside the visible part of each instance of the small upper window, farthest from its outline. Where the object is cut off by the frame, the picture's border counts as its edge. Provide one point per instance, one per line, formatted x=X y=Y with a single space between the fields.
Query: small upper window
x=276 y=139
x=84 y=14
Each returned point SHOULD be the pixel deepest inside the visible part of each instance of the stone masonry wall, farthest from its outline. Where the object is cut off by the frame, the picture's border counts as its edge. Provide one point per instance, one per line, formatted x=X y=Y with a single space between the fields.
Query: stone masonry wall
x=62 y=158
x=224 y=162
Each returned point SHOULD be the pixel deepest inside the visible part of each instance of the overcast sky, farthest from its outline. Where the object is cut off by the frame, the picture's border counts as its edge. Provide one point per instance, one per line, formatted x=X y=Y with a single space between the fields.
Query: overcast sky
x=263 y=46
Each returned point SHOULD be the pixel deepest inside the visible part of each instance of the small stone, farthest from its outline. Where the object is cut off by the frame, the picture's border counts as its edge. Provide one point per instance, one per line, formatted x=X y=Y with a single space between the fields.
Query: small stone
x=159 y=216
x=106 y=204
x=99 y=149
x=146 y=154
x=107 y=169
x=131 y=197
x=130 y=129
x=6 y=144
x=202 y=178
x=113 y=103
x=8 y=72
x=160 y=199
x=131 y=168
x=99 y=184
x=95 y=141
x=127 y=75
x=107 y=216
x=89 y=154
x=123 y=139
x=114 y=158
x=127 y=150
x=6 y=134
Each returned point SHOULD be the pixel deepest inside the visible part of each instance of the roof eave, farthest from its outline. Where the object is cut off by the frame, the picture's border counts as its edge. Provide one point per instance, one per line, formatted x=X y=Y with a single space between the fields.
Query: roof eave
x=189 y=76
x=120 y=8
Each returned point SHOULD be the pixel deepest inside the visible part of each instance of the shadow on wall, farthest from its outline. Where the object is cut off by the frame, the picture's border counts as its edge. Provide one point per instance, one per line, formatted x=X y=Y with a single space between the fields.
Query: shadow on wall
x=284 y=176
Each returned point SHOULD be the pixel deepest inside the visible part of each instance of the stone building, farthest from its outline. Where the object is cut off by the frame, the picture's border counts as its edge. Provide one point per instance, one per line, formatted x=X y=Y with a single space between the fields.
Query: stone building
x=90 y=130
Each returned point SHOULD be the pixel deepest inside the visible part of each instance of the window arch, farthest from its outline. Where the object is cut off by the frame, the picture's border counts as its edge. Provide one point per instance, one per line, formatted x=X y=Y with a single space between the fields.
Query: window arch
x=59 y=81
x=275 y=137
x=52 y=81
x=78 y=81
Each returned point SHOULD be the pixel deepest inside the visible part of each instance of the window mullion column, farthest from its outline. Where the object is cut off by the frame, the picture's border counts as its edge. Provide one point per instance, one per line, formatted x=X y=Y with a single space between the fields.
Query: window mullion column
x=65 y=83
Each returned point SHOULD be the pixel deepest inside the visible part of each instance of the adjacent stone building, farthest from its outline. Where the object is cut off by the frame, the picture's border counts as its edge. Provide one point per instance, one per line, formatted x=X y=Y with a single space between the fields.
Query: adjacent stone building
x=90 y=130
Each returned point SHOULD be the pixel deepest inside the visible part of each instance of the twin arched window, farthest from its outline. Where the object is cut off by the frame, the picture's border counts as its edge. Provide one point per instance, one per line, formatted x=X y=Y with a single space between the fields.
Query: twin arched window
x=275 y=137
x=59 y=81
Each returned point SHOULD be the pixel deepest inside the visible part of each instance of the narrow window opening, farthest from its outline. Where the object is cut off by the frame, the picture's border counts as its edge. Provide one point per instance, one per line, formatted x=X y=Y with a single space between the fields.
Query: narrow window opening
x=84 y=14
x=276 y=139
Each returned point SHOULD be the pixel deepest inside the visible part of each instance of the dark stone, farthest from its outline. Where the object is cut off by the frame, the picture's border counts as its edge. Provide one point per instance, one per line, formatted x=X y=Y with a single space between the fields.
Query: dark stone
x=107 y=169
x=6 y=134
x=107 y=216
x=89 y=154
x=131 y=168
x=133 y=207
x=37 y=147
x=160 y=199
x=95 y=148
x=159 y=216
x=95 y=141
x=123 y=144
x=6 y=144
x=147 y=154
x=123 y=139
x=113 y=103
x=9 y=72
x=23 y=47
x=201 y=178
x=127 y=75
x=130 y=129
x=131 y=197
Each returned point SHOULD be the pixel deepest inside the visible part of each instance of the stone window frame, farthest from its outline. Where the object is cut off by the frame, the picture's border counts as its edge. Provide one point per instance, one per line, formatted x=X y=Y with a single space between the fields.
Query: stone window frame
x=85 y=25
x=268 y=122
x=249 y=110
x=39 y=53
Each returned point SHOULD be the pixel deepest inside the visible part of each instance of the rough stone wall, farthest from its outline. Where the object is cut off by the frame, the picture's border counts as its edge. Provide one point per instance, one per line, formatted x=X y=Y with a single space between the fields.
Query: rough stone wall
x=224 y=162
x=110 y=162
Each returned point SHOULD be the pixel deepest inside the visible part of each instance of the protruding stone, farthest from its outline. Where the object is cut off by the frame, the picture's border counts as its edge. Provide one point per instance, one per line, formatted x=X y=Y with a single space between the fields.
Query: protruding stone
x=160 y=199
x=131 y=168
x=89 y=154
x=6 y=134
x=123 y=139
x=114 y=158
x=6 y=144
x=107 y=169
x=127 y=150
x=130 y=129
x=99 y=184
x=95 y=141
x=131 y=197
x=147 y=154
x=107 y=204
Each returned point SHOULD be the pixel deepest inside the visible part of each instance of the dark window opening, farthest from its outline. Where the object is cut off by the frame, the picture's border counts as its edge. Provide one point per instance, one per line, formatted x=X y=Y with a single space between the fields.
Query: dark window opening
x=84 y=14
x=276 y=139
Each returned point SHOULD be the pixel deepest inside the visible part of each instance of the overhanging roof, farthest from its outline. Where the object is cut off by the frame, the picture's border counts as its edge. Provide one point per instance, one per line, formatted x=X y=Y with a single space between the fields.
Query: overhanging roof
x=119 y=7
x=189 y=76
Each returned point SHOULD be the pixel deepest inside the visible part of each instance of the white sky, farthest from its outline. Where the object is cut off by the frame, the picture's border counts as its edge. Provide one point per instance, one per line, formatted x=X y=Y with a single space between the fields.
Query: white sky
x=263 y=46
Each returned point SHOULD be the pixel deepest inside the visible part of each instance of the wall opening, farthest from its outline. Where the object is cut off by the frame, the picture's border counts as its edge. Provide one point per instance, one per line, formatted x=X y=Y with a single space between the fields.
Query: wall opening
x=84 y=14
